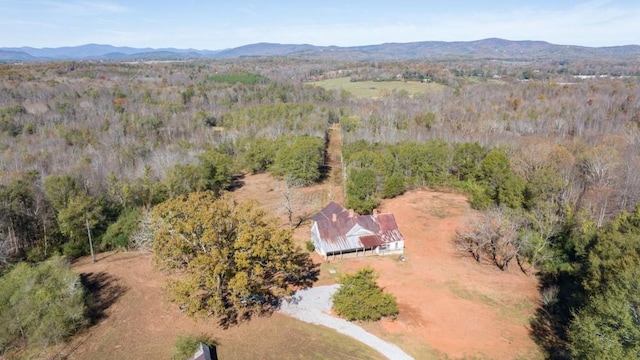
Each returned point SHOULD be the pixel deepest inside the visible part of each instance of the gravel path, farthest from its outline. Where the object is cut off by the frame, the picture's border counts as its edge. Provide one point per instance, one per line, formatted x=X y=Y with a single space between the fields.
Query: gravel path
x=314 y=305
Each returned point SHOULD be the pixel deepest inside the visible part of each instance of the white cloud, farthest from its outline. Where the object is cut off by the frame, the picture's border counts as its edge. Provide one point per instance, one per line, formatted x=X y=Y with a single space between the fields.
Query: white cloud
x=83 y=8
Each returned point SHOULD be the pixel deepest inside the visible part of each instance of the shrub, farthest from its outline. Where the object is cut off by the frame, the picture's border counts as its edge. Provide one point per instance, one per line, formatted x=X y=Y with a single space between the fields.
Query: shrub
x=310 y=246
x=40 y=305
x=118 y=233
x=75 y=250
x=360 y=298
x=479 y=197
x=187 y=345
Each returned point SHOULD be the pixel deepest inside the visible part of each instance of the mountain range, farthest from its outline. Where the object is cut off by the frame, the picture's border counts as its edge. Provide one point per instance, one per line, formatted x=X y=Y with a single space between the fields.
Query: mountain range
x=498 y=49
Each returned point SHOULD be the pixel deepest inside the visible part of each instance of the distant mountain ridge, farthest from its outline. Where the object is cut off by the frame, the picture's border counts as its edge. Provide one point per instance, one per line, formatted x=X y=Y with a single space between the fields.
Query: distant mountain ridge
x=492 y=48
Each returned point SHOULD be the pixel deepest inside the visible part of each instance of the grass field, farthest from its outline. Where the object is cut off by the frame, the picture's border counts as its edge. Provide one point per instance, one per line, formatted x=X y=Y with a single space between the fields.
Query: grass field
x=139 y=323
x=376 y=89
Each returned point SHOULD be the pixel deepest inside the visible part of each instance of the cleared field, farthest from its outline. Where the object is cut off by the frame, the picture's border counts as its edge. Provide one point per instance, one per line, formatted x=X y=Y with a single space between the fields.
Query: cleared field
x=376 y=89
x=450 y=306
x=137 y=322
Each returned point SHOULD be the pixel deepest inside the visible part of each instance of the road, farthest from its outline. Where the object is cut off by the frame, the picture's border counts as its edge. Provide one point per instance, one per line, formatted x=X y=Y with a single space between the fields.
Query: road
x=313 y=305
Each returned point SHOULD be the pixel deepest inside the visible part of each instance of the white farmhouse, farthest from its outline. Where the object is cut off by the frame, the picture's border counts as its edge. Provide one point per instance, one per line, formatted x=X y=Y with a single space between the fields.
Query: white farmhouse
x=338 y=231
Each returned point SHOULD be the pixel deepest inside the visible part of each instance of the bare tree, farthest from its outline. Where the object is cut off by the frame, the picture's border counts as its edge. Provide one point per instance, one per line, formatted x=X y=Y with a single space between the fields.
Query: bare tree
x=492 y=236
x=142 y=238
x=294 y=204
x=5 y=252
x=475 y=237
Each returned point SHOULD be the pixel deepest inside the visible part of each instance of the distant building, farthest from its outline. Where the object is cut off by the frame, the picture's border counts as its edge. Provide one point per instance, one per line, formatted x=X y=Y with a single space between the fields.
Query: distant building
x=338 y=231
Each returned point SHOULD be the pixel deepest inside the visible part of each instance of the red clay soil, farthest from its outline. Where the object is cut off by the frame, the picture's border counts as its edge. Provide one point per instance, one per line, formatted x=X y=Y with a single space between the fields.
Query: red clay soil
x=450 y=306
x=448 y=302
x=455 y=305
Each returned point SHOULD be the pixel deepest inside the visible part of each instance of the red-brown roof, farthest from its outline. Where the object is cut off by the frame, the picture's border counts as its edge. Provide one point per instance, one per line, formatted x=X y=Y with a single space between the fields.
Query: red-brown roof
x=371 y=241
x=375 y=229
x=328 y=211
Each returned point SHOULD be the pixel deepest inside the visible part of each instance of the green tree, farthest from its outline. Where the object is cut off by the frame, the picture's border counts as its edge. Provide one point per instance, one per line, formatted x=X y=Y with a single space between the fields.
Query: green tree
x=608 y=326
x=479 y=194
x=146 y=190
x=596 y=312
x=466 y=160
x=361 y=190
x=360 y=298
x=257 y=154
x=24 y=213
x=60 y=189
x=545 y=184
x=82 y=211
x=393 y=185
x=118 y=232
x=614 y=250
x=299 y=160
x=216 y=171
x=234 y=260
x=506 y=187
x=40 y=305
x=182 y=179
x=424 y=163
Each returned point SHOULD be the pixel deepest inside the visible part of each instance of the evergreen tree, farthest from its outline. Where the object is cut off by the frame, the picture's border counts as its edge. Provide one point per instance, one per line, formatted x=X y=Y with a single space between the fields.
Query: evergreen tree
x=360 y=298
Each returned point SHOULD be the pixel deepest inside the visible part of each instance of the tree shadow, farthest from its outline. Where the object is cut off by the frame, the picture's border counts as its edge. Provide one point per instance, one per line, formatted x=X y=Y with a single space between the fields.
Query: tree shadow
x=237 y=182
x=309 y=274
x=104 y=291
x=551 y=320
x=325 y=173
x=266 y=304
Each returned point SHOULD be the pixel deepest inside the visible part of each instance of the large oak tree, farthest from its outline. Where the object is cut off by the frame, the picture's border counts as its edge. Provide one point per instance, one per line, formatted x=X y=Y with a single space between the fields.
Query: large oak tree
x=231 y=260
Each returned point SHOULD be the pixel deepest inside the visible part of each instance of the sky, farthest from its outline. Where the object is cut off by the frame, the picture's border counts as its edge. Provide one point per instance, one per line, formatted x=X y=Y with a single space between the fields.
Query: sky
x=216 y=24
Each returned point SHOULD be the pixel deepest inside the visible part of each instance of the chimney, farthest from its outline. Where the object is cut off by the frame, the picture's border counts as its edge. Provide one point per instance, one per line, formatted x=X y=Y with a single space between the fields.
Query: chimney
x=334 y=218
x=375 y=212
x=351 y=213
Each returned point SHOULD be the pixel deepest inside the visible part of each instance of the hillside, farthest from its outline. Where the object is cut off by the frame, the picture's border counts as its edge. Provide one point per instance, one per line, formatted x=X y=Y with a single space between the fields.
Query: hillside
x=455 y=289
x=438 y=50
x=473 y=310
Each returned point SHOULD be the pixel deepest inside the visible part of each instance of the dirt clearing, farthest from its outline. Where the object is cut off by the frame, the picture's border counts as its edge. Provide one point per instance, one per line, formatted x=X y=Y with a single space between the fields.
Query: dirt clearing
x=449 y=305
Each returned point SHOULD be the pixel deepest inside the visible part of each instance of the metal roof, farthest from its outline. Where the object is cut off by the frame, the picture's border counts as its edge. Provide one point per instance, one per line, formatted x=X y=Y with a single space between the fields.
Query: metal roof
x=370 y=241
x=329 y=210
x=347 y=233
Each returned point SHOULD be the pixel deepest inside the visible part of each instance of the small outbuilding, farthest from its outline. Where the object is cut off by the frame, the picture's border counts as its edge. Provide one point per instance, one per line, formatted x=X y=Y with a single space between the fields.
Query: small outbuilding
x=337 y=231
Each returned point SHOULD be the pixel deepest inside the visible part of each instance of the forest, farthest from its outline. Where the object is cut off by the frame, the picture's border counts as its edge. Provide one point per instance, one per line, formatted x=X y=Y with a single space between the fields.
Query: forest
x=546 y=151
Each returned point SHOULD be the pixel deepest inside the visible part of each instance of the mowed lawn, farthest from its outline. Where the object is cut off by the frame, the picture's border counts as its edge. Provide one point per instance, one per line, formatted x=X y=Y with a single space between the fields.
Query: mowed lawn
x=376 y=89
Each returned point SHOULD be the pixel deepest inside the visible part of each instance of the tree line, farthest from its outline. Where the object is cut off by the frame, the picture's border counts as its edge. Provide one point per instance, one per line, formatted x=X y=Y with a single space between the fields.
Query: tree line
x=91 y=148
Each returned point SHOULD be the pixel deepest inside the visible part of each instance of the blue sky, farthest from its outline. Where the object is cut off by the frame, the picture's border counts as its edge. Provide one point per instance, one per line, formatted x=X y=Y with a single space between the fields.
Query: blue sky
x=223 y=24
